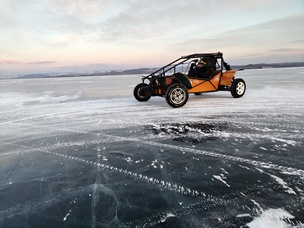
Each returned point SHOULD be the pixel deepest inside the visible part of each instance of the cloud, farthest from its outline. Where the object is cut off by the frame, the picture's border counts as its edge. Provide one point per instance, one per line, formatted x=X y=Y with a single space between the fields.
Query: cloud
x=110 y=21
x=129 y=21
x=113 y=21
x=24 y=63
x=132 y=20
x=258 y=40
x=288 y=50
x=9 y=62
x=42 y=62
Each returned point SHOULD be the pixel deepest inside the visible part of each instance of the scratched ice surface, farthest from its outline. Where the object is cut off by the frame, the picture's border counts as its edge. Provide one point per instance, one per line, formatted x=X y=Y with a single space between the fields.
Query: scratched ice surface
x=82 y=152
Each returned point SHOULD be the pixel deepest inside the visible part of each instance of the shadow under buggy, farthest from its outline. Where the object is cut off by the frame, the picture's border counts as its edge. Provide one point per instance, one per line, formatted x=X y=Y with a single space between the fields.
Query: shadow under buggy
x=196 y=73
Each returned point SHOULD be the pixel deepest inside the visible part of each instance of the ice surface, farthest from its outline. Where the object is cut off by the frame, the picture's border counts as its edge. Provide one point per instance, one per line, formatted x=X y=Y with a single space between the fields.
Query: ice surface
x=82 y=152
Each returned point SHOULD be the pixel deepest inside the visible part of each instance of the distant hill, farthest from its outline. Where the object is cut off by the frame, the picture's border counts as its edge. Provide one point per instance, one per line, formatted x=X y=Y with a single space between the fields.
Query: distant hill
x=94 y=73
x=146 y=71
x=269 y=65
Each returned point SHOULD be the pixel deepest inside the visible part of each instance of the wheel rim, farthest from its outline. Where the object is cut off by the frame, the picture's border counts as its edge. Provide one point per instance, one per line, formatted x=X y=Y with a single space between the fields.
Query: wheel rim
x=177 y=95
x=141 y=93
x=240 y=88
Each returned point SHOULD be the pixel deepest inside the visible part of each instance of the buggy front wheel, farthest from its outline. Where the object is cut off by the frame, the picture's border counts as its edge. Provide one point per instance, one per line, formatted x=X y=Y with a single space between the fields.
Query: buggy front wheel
x=238 y=88
x=139 y=92
x=177 y=95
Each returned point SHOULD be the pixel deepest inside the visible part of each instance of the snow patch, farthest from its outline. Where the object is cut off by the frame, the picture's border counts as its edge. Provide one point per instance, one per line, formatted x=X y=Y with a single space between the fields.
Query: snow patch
x=243 y=215
x=169 y=215
x=221 y=179
x=257 y=204
x=67 y=215
x=290 y=142
x=129 y=160
x=271 y=218
x=284 y=184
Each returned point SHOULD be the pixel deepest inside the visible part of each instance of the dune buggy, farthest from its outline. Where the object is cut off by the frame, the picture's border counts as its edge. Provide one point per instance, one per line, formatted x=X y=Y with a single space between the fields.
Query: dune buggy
x=196 y=73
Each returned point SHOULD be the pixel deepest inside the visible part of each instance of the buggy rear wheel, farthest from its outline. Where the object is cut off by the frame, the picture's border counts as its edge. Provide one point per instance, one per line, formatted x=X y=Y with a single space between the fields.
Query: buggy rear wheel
x=238 y=88
x=177 y=95
x=139 y=92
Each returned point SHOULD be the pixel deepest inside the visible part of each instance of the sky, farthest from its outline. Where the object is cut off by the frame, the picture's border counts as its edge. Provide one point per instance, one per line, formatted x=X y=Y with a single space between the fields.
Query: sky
x=43 y=36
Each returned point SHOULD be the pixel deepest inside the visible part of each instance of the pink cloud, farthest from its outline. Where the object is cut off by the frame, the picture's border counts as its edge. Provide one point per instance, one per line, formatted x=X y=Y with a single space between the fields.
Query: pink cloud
x=4 y=61
x=9 y=62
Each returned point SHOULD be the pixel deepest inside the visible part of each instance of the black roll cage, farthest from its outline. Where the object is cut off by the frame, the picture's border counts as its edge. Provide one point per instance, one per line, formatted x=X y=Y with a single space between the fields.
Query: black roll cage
x=161 y=72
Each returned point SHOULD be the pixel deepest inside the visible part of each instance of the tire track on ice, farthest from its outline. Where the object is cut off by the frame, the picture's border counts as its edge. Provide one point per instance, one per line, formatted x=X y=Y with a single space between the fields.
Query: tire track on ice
x=268 y=165
x=100 y=166
x=150 y=180
x=280 y=126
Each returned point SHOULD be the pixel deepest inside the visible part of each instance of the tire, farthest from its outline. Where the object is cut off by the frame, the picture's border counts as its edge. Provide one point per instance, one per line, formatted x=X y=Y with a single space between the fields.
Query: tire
x=139 y=93
x=238 y=88
x=197 y=94
x=177 y=95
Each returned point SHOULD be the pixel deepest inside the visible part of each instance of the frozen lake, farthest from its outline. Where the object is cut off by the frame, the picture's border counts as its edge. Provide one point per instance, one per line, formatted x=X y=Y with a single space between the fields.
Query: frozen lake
x=82 y=152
